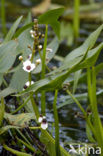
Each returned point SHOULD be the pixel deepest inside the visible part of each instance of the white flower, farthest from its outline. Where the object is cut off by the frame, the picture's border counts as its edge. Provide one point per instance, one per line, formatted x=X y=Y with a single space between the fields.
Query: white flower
x=28 y=66
x=27 y=84
x=44 y=124
x=49 y=50
x=38 y=61
x=40 y=119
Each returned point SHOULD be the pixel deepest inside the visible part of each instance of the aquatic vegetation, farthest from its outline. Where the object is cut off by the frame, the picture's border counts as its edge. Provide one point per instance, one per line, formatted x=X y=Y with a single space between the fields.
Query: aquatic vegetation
x=31 y=77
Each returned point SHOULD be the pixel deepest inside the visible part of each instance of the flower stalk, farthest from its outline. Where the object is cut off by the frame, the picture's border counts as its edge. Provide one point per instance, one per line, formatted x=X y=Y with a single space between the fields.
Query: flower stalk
x=43 y=102
x=57 y=147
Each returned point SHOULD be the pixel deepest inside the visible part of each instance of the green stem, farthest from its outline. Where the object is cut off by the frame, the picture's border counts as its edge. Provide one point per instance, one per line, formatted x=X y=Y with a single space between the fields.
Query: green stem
x=35 y=108
x=83 y=111
x=76 y=19
x=30 y=78
x=89 y=82
x=50 y=138
x=27 y=145
x=97 y=121
x=2 y=111
x=57 y=147
x=43 y=103
x=3 y=19
x=15 y=151
x=77 y=102
x=21 y=106
x=22 y=135
x=44 y=53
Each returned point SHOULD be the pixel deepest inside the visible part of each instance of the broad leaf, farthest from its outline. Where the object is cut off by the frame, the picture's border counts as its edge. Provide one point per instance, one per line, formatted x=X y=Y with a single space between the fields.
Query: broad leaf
x=7 y=55
x=51 y=17
x=88 y=44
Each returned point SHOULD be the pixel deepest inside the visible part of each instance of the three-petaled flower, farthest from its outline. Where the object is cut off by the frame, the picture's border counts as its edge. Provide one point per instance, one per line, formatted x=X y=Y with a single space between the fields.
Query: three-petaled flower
x=28 y=66
x=43 y=121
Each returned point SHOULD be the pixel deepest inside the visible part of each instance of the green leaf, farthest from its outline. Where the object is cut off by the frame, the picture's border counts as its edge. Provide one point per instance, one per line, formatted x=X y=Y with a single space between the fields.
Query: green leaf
x=51 y=17
x=1 y=78
x=6 y=92
x=66 y=100
x=12 y=30
x=88 y=44
x=19 y=120
x=50 y=143
x=19 y=79
x=24 y=39
x=76 y=79
x=7 y=55
x=6 y=128
x=54 y=81
x=89 y=133
x=50 y=146
x=91 y=57
x=22 y=29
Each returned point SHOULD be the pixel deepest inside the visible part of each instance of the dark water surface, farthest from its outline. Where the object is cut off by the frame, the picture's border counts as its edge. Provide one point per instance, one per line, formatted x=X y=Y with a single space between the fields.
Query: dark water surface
x=71 y=129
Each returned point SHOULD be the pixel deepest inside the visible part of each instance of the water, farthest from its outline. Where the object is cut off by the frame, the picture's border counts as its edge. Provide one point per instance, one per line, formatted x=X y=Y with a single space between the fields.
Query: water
x=71 y=129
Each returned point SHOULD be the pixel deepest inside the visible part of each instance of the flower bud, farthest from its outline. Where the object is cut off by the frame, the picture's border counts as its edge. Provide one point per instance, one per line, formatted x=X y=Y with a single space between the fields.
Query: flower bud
x=20 y=58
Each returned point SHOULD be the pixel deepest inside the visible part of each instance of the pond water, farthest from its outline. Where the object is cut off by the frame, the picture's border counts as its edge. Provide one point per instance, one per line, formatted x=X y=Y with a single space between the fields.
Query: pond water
x=71 y=129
